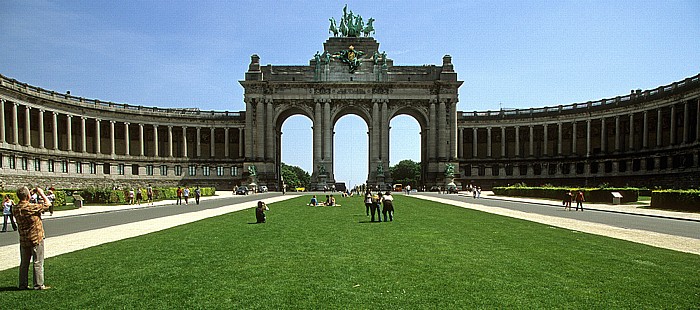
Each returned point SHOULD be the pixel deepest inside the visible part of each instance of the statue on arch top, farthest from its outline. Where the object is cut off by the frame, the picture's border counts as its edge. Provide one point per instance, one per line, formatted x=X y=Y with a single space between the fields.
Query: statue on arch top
x=351 y=25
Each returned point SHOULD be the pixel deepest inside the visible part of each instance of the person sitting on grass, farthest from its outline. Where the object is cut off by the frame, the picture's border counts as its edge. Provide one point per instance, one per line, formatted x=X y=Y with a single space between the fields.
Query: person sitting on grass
x=314 y=201
x=331 y=202
x=260 y=212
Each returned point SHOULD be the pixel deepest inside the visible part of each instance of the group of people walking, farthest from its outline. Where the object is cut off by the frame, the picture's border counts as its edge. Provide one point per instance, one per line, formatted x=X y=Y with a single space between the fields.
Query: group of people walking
x=374 y=202
x=185 y=193
x=569 y=197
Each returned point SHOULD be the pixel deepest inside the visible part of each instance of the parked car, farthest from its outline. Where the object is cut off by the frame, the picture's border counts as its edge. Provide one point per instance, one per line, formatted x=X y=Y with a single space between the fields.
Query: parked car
x=262 y=189
x=242 y=190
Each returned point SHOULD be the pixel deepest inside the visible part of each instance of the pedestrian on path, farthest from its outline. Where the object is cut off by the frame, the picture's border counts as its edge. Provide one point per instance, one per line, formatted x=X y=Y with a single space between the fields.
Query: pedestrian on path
x=568 y=197
x=179 y=196
x=579 y=201
x=149 y=194
x=197 y=194
x=186 y=193
x=31 y=237
x=7 y=213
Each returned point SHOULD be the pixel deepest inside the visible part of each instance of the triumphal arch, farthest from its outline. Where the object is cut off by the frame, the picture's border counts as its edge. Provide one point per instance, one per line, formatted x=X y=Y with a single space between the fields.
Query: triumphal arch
x=351 y=75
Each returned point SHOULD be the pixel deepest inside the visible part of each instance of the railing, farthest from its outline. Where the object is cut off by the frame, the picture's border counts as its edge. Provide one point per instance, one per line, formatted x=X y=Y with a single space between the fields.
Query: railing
x=689 y=82
x=52 y=95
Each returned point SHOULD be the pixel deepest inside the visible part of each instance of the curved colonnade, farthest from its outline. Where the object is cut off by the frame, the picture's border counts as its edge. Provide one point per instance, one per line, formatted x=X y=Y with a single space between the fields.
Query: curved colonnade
x=69 y=142
x=648 y=138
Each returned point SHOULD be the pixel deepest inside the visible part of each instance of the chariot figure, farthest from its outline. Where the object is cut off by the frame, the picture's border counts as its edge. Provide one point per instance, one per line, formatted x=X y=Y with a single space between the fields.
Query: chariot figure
x=369 y=28
x=333 y=28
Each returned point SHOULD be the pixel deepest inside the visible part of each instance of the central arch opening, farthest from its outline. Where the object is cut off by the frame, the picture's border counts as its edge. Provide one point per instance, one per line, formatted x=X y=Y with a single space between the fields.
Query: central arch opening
x=405 y=151
x=296 y=149
x=350 y=150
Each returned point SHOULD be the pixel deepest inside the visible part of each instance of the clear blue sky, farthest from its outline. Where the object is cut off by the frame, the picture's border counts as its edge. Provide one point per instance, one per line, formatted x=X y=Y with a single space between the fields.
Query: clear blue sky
x=510 y=54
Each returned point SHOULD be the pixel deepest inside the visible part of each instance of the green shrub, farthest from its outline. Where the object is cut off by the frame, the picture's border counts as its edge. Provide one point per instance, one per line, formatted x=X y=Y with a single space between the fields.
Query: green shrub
x=58 y=202
x=685 y=200
x=109 y=196
x=592 y=194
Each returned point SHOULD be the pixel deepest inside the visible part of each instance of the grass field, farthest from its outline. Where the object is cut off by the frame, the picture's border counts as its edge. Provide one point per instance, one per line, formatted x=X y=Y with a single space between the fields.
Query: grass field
x=432 y=256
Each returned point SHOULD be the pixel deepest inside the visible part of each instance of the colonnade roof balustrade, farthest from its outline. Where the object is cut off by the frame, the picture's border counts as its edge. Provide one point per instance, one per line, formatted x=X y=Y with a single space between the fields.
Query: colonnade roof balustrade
x=634 y=97
x=95 y=103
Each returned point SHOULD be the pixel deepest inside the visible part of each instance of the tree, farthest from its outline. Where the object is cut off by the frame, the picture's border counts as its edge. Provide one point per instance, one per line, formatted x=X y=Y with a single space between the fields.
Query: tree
x=295 y=177
x=406 y=172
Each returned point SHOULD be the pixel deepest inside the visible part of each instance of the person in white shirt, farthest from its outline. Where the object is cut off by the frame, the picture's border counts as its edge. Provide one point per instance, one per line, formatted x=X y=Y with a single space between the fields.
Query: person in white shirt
x=388 y=201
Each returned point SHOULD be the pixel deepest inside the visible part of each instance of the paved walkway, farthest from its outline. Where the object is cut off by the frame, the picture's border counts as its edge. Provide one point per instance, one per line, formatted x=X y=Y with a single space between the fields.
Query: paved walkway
x=677 y=243
x=9 y=255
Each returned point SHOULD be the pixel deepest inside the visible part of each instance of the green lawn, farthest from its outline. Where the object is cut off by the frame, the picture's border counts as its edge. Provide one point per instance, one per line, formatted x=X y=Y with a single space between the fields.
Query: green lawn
x=432 y=256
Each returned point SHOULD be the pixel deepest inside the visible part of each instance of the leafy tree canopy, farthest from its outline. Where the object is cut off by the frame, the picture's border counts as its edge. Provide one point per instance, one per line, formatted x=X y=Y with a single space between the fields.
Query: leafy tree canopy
x=406 y=172
x=295 y=176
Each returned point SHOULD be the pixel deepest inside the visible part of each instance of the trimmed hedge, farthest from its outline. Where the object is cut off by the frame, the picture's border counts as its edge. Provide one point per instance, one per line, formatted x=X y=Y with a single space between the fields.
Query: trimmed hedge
x=595 y=195
x=60 y=197
x=110 y=196
x=683 y=200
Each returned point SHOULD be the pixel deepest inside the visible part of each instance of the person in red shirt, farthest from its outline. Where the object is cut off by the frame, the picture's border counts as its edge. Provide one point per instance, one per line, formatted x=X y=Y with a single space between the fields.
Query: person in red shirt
x=31 y=236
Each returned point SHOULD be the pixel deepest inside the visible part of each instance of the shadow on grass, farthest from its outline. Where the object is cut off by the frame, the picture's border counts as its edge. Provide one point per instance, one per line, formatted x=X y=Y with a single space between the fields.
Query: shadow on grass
x=9 y=289
x=369 y=222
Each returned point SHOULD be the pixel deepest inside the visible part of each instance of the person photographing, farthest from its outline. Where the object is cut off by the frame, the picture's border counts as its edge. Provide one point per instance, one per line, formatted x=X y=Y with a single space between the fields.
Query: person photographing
x=31 y=236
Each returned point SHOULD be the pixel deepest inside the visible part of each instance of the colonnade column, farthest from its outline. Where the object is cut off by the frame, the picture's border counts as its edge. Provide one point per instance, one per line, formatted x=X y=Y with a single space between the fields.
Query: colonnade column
x=545 y=141
x=2 y=120
x=617 y=133
x=673 y=125
x=475 y=144
x=317 y=128
x=559 y=138
x=226 y=139
x=686 y=122
x=27 y=126
x=112 y=139
x=503 y=141
x=249 y=128
x=98 y=138
x=199 y=142
x=54 y=129
x=83 y=135
x=41 y=129
x=517 y=141
x=588 y=137
x=488 y=142
x=603 y=135
x=375 y=134
x=432 y=131
x=69 y=132
x=260 y=141
x=573 y=138
x=127 y=150
x=155 y=140
x=212 y=143
x=631 y=144
x=142 y=146
x=442 y=113
x=532 y=140
x=15 y=124
x=645 y=131
x=659 y=139
x=270 y=131
x=184 y=141
x=385 y=134
x=328 y=135
x=170 y=141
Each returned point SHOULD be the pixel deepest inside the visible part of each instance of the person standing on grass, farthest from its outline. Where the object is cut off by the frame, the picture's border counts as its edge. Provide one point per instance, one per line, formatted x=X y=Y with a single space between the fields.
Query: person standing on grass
x=197 y=194
x=149 y=194
x=368 y=201
x=579 y=200
x=376 y=206
x=31 y=237
x=388 y=201
x=179 y=196
x=186 y=193
x=260 y=212
x=7 y=213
